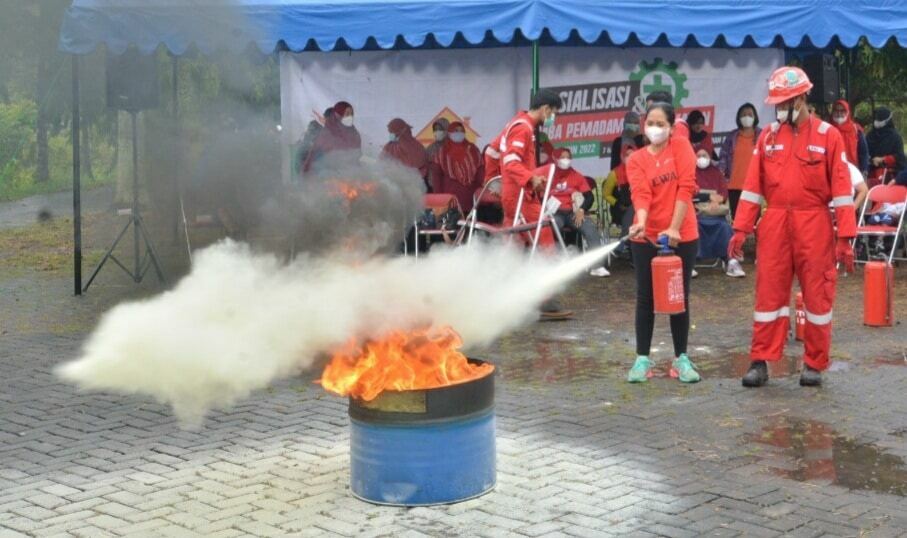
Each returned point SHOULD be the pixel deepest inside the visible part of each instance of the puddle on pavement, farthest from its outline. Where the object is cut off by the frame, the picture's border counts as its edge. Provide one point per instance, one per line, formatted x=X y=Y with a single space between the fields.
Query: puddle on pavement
x=811 y=451
x=734 y=365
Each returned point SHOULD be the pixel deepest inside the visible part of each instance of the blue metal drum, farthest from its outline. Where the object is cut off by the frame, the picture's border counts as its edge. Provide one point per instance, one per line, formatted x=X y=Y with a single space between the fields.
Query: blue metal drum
x=424 y=447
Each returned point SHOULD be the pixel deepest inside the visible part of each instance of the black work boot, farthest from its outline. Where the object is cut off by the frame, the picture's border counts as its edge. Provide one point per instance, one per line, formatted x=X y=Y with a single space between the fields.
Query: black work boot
x=757 y=375
x=810 y=377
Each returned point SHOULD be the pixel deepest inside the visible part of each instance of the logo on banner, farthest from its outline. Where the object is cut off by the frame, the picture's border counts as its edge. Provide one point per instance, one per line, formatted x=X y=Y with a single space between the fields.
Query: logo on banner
x=426 y=136
x=660 y=76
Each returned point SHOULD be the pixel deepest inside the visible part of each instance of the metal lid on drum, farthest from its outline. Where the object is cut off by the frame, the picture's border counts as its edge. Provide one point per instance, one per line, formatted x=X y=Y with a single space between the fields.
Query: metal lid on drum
x=453 y=402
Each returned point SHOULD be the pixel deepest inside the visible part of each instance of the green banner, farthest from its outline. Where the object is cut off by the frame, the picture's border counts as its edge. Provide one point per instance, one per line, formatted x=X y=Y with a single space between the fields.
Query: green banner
x=583 y=148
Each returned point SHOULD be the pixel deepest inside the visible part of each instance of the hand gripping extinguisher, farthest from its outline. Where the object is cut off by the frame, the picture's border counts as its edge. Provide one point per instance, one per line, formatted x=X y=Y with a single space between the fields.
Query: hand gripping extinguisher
x=667 y=280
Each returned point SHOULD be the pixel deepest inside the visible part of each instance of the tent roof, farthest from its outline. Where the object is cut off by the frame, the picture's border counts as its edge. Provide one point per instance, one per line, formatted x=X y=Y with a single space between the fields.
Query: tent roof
x=369 y=24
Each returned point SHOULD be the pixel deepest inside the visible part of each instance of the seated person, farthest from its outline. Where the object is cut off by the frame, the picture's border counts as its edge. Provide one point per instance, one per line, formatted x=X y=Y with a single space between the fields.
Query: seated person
x=572 y=190
x=616 y=192
x=711 y=213
x=460 y=166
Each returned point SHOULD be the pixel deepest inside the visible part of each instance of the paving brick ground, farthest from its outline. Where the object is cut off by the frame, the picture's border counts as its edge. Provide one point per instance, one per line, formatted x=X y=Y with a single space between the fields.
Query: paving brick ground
x=580 y=453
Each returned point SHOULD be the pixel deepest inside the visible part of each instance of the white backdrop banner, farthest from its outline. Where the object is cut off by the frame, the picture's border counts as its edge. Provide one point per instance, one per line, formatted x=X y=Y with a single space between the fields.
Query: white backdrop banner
x=485 y=87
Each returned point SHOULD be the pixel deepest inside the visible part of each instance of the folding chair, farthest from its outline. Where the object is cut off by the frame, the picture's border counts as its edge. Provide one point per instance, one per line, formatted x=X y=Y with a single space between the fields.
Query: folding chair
x=519 y=225
x=439 y=204
x=884 y=194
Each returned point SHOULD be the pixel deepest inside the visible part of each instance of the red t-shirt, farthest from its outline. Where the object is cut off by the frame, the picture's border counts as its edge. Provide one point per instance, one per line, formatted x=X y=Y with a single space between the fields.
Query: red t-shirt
x=657 y=182
x=564 y=184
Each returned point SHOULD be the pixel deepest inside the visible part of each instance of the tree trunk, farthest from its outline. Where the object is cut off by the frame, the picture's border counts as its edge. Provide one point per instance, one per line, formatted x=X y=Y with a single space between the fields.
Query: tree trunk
x=42 y=173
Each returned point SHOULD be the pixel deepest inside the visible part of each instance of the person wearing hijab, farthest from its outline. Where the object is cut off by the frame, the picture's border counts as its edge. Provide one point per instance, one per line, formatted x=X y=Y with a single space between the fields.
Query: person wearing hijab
x=854 y=140
x=711 y=214
x=461 y=166
x=574 y=193
x=699 y=137
x=439 y=130
x=308 y=140
x=886 y=148
x=629 y=136
x=405 y=149
x=338 y=137
x=737 y=151
x=616 y=191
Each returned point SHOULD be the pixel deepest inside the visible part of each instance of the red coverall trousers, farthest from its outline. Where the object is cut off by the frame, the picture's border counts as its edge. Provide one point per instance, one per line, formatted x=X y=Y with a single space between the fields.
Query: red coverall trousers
x=788 y=242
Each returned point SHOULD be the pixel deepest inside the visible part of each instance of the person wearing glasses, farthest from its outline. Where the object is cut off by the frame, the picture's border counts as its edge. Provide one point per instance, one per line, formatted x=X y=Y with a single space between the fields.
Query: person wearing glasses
x=798 y=167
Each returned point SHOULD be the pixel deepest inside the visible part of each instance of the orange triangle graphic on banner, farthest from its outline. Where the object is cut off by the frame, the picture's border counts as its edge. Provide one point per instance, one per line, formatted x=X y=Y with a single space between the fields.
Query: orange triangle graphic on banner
x=426 y=136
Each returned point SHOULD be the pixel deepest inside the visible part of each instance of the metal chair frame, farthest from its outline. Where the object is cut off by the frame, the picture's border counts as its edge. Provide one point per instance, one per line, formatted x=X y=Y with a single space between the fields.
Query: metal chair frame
x=899 y=231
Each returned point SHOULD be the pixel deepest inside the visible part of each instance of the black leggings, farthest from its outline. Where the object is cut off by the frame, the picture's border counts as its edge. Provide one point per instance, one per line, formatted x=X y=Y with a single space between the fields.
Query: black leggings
x=734 y=199
x=645 y=307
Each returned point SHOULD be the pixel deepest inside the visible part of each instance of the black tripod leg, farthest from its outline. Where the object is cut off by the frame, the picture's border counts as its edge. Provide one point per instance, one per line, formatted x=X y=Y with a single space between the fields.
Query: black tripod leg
x=150 y=248
x=107 y=255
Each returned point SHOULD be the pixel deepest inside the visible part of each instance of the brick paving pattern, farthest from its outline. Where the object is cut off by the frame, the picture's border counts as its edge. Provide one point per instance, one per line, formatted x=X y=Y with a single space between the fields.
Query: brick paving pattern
x=580 y=452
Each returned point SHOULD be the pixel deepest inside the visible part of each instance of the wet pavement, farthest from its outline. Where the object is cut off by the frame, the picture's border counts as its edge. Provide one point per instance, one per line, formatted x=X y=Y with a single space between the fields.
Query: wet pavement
x=580 y=451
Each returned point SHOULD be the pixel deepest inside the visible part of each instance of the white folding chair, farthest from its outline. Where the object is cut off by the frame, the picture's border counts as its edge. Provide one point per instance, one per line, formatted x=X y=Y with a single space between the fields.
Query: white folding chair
x=519 y=225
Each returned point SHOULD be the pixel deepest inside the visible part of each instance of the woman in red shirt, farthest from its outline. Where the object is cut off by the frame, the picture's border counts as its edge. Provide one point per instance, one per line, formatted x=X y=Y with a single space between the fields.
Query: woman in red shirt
x=662 y=179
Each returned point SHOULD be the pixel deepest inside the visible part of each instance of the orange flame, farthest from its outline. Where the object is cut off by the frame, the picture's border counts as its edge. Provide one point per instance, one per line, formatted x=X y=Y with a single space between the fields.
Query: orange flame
x=350 y=190
x=421 y=359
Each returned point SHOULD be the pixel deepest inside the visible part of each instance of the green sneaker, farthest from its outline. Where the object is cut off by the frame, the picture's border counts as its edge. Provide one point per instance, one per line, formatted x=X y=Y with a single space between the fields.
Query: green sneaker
x=683 y=369
x=641 y=371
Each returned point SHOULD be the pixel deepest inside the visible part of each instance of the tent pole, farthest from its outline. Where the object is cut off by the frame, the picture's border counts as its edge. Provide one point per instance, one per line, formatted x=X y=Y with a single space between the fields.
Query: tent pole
x=76 y=180
x=535 y=88
x=535 y=66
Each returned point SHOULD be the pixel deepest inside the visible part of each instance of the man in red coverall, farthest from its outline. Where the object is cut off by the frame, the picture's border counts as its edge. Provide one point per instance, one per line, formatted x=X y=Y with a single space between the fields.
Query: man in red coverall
x=798 y=168
x=512 y=156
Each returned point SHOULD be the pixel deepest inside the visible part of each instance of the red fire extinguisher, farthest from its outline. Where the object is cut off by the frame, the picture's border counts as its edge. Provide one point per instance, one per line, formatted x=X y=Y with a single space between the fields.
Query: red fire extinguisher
x=878 y=293
x=667 y=280
x=801 y=317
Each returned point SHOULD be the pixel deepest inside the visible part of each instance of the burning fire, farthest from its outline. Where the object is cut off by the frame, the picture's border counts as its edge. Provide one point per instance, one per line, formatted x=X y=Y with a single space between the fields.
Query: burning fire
x=421 y=359
x=350 y=190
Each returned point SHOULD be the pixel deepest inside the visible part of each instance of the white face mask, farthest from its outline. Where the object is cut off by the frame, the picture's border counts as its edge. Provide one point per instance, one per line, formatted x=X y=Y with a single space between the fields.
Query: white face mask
x=783 y=114
x=747 y=121
x=879 y=124
x=392 y=137
x=543 y=158
x=440 y=135
x=457 y=137
x=839 y=119
x=703 y=162
x=564 y=164
x=656 y=135
x=347 y=121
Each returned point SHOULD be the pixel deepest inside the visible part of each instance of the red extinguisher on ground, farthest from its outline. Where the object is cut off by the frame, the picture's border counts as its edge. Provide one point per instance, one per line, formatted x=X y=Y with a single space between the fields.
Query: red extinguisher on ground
x=878 y=293
x=667 y=280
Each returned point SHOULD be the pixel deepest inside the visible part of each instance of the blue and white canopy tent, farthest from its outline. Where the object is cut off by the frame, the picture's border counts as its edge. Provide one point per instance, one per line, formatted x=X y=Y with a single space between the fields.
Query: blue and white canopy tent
x=331 y=25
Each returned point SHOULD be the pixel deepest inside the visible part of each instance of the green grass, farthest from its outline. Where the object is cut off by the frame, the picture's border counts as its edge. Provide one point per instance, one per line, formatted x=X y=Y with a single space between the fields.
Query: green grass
x=16 y=190
x=42 y=247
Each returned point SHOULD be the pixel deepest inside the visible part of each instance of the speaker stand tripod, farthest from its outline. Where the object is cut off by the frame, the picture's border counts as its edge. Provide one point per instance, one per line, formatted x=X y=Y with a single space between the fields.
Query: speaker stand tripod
x=141 y=262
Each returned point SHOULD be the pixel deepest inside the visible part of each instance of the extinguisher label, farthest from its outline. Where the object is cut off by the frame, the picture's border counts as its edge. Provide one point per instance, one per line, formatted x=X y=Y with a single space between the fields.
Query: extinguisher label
x=675 y=286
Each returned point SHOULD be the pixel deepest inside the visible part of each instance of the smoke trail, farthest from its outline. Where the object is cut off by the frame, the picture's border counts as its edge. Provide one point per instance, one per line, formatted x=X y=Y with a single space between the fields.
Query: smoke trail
x=240 y=320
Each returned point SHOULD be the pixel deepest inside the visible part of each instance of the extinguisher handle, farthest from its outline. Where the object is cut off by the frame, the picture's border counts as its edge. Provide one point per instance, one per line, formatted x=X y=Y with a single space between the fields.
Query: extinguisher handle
x=663 y=243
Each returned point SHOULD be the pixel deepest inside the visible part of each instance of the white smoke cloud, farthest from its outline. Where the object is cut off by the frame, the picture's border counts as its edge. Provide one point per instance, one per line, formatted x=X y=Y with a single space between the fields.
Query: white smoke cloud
x=241 y=320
